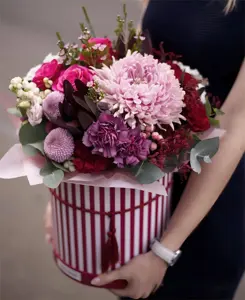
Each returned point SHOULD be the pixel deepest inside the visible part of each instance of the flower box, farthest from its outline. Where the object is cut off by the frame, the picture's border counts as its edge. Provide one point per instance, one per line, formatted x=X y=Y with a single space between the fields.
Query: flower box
x=98 y=229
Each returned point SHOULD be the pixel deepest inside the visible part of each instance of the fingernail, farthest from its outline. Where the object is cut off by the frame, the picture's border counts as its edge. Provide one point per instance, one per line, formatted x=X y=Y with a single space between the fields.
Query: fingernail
x=95 y=281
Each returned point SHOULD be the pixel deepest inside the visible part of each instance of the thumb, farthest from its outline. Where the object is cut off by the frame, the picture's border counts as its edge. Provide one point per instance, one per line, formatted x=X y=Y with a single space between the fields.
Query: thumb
x=107 y=278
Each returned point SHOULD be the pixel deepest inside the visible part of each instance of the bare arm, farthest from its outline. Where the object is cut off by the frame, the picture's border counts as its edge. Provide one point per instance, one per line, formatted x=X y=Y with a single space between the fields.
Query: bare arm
x=203 y=190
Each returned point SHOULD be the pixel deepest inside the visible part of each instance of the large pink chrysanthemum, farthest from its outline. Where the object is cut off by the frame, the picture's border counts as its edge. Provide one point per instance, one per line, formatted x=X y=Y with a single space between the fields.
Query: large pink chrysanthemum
x=140 y=88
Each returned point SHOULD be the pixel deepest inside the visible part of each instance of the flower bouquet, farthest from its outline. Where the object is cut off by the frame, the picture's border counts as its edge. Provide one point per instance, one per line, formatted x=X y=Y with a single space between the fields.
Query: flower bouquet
x=104 y=125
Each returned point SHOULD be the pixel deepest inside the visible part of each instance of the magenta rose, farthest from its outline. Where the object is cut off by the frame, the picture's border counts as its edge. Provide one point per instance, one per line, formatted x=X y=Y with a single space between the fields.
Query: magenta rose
x=50 y=70
x=71 y=74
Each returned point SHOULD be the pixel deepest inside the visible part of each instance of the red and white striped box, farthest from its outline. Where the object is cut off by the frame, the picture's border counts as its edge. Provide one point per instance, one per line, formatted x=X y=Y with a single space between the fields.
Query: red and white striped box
x=97 y=229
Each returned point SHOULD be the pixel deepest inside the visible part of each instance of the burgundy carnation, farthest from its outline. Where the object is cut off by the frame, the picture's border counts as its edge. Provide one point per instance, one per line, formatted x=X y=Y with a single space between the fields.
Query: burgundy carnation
x=86 y=162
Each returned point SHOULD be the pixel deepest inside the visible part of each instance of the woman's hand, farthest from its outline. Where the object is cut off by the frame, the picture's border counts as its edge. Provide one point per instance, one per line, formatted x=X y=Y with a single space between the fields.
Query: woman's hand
x=144 y=275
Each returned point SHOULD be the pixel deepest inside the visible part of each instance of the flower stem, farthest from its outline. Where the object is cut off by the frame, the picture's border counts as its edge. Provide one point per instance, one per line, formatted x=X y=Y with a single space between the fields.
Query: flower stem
x=88 y=21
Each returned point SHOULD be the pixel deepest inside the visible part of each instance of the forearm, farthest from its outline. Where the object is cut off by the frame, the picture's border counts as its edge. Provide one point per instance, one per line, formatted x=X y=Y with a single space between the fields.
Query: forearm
x=203 y=190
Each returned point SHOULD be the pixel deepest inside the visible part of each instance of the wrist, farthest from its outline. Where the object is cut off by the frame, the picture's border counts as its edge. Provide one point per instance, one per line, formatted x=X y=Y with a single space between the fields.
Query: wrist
x=157 y=260
x=172 y=241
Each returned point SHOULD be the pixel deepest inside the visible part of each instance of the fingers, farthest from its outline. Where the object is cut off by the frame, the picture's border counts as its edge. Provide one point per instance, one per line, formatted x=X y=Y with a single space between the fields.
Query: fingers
x=107 y=278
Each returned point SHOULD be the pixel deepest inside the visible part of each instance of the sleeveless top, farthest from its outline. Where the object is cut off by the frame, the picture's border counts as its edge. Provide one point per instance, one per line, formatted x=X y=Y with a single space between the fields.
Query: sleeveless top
x=213 y=257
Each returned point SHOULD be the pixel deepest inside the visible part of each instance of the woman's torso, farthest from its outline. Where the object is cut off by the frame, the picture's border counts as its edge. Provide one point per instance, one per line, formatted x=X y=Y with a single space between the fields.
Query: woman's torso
x=207 y=39
x=214 y=255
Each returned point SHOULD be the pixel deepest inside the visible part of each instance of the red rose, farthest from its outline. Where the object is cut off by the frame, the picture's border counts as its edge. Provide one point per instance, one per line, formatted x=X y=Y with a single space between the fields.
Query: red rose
x=188 y=78
x=195 y=112
x=71 y=74
x=86 y=162
x=50 y=70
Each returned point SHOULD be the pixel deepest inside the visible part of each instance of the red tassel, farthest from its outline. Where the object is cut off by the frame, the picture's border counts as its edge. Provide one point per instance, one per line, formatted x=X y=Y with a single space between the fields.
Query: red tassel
x=110 y=254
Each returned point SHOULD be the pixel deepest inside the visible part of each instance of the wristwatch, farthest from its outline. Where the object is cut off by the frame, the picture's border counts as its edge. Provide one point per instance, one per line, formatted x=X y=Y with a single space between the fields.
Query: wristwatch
x=169 y=256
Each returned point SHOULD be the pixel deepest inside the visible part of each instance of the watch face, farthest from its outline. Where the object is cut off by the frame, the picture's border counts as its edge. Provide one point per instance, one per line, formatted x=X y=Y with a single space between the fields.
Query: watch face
x=176 y=258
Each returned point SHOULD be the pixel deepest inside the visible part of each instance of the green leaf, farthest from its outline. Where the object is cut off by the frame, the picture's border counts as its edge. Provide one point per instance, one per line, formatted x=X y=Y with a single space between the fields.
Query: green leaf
x=218 y=112
x=39 y=146
x=32 y=134
x=54 y=179
x=147 y=173
x=208 y=108
x=14 y=111
x=203 y=151
x=59 y=166
x=214 y=122
x=29 y=150
x=170 y=164
x=48 y=169
x=207 y=147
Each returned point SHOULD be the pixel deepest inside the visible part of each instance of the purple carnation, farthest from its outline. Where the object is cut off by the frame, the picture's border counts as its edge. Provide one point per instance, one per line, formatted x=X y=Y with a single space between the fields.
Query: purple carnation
x=59 y=145
x=105 y=135
x=134 y=150
x=51 y=104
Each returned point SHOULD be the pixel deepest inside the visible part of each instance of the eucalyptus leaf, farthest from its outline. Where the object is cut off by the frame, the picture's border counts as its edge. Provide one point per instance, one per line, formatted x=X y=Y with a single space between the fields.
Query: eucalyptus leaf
x=170 y=164
x=59 y=166
x=203 y=151
x=39 y=146
x=29 y=150
x=14 y=111
x=54 y=179
x=195 y=164
x=147 y=173
x=32 y=134
x=207 y=159
x=48 y=169
x=207 y=147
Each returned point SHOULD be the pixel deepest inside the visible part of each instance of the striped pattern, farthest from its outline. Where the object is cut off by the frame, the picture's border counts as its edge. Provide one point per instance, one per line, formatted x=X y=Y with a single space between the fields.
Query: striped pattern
x=79 y=235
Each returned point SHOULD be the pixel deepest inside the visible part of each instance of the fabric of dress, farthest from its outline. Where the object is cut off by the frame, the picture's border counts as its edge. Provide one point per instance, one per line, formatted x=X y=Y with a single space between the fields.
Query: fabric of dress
x=213 y=258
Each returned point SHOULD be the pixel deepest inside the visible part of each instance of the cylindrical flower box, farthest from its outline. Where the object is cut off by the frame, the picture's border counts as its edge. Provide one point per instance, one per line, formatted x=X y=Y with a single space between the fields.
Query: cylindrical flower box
x=99 y=229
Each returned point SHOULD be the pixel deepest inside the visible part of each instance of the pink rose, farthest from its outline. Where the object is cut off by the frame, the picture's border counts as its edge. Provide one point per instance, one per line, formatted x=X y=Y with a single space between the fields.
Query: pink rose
x=50 y=70
x=71 y=74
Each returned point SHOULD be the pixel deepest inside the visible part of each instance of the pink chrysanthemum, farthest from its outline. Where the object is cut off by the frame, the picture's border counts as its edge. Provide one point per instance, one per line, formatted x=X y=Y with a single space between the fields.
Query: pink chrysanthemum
x=139 y=87
x=59 y=145
x=51 y=104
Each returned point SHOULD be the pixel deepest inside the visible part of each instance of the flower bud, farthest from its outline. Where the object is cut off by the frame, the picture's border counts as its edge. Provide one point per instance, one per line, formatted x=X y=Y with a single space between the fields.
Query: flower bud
x=46 y=92
x=11 y=87
x=153 y=146
x=72 y=168
x=155 y=135
x=66 y=165
x=19 y=86
x=45 y=79
x=24 y=104
x=20 y=93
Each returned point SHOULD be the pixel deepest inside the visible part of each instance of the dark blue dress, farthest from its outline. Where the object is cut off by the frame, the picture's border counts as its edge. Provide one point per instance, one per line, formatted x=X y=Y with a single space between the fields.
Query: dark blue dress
x=213 y=257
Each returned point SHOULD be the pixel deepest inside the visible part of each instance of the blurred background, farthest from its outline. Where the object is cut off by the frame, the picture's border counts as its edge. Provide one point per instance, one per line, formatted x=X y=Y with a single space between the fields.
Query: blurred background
x=27 y=33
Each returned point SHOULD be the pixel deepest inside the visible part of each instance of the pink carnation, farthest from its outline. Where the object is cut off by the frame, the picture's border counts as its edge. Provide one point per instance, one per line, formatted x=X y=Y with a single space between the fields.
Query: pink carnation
x=140 y=88
x=71 y=74
x=50 y=70
x=59 y=145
